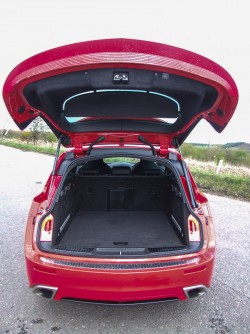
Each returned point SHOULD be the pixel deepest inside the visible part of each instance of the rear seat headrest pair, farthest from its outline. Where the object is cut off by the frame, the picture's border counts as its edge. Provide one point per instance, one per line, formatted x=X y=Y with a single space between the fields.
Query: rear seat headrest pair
x=99 y=167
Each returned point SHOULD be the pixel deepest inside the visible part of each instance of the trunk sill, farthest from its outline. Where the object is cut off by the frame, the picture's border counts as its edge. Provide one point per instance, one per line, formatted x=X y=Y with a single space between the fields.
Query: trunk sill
x=118 y=252
x=120 y=266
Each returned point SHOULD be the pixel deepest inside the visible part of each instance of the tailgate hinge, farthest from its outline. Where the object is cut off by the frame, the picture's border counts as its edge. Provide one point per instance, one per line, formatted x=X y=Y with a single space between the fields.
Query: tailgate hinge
x=164 y=145
x=78 y=148
x=78 y=145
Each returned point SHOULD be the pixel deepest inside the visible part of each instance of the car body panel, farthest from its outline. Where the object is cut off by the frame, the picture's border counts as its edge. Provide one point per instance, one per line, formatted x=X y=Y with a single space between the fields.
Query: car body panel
x=96 y=285
x=155 y=68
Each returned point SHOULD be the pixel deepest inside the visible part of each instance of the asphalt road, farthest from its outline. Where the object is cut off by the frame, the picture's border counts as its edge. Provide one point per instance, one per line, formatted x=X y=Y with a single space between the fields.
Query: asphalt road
x=225 y=309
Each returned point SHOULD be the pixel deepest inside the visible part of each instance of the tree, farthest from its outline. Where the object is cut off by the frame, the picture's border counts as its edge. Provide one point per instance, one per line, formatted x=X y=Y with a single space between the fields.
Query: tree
x=25 y=136
x=2 y=133
x=49 y=137
x=37 y=128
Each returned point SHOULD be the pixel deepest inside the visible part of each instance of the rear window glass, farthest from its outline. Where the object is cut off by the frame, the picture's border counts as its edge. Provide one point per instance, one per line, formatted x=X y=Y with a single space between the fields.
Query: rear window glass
x=121 y=103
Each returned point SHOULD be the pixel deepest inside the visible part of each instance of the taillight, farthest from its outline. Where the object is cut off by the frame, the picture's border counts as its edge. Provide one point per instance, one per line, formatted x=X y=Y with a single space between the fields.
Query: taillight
x=47 y=228
x=193 y=229
x=204 y=210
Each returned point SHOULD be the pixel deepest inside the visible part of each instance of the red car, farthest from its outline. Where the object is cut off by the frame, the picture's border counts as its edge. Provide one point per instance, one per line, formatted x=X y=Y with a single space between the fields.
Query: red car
x=120 y=219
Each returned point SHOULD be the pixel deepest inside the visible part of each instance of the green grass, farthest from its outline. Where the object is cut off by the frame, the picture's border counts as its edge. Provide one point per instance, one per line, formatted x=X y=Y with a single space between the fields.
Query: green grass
x=30 y=147
x=222 y=184
x=208 y=181
x=121 y=159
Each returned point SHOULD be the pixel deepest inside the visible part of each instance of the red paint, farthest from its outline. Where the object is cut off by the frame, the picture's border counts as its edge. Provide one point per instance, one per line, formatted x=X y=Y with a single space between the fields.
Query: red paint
x=115 y=53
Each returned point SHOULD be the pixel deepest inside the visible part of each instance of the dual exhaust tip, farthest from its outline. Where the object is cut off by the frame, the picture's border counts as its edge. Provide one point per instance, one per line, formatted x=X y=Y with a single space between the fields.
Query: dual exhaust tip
x=50 y=291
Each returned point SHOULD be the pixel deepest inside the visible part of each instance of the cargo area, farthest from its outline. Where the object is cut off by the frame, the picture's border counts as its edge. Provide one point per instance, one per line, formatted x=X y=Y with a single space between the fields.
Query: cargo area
x=120 y=208
x=94 y=229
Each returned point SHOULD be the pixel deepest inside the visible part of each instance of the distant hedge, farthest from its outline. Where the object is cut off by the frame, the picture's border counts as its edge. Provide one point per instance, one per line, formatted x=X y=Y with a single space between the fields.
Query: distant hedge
x=233 y=156
x=25 y=136
x=231 y=153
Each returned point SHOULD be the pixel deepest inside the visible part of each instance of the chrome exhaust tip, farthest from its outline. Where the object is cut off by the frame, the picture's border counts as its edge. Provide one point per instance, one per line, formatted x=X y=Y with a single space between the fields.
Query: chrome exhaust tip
x=45 y=291
x=195 y=291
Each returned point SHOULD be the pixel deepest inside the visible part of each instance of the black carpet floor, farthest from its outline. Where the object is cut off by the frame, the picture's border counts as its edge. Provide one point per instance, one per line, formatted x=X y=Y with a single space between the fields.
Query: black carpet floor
x=127 y=228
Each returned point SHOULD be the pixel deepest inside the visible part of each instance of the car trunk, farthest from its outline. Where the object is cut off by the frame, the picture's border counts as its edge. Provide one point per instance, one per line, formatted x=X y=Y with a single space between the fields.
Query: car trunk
x=123 y=210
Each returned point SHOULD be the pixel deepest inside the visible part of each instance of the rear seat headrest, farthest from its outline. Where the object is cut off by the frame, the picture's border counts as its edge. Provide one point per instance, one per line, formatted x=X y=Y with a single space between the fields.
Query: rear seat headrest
x=121 y=170
x=94 y=167
x=147 y=167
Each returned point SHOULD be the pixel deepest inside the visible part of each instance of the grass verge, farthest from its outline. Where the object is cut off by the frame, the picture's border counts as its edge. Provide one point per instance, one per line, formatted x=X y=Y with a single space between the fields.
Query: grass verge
x=222 y=184
x=208 y=181
x=30 y=147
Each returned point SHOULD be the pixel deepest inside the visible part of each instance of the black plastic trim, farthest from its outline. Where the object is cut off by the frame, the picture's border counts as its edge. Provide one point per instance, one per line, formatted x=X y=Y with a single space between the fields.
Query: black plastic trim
x=118 y=266
x=159 y=160
x=117 y=303
x=189 y=184
x=49 y=95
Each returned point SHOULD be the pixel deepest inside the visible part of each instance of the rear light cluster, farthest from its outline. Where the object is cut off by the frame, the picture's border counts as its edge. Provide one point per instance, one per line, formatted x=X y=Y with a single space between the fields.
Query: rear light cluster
x=204 y=210
x=193 y=229
x=47 y=228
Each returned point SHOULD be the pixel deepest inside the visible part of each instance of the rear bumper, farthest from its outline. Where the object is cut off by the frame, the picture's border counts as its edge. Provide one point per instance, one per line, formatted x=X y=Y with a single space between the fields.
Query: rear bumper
x=121 y=286
x=50 y=292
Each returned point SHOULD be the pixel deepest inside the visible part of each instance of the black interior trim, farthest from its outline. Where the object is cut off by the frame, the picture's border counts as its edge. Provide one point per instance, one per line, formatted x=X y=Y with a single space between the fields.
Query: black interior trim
x=162 y=162
x=48 y=96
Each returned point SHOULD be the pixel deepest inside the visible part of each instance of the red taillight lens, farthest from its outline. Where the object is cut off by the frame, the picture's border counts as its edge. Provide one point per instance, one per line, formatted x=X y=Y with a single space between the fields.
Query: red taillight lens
x=191 y=226
x=47 y=228
x=193 y=229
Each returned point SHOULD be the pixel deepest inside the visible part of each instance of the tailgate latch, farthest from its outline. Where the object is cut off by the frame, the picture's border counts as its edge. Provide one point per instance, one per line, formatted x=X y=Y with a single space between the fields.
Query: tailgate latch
x=120 y=77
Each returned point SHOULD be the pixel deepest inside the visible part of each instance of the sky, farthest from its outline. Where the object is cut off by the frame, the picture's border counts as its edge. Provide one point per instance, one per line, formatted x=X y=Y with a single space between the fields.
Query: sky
x=216 y=29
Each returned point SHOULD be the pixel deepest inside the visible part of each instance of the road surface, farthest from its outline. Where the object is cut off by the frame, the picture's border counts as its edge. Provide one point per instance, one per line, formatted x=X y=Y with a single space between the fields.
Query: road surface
x=225 y=309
